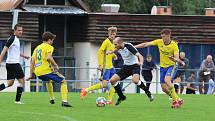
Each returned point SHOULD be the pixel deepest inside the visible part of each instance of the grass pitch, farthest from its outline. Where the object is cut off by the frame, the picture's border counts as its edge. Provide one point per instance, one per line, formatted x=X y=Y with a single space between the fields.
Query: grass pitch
x=136 y=108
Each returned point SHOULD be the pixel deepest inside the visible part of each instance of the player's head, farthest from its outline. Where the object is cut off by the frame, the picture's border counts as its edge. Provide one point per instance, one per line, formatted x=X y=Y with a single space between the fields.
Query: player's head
x=182 y=55
x=166 y=35
x=18 y=30
x=112 y=33
x=118 y=42
x=48 y=37
x=149 y=57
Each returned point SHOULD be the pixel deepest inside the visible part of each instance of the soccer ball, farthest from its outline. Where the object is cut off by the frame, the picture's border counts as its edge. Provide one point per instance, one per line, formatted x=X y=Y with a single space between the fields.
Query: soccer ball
x=100 y=102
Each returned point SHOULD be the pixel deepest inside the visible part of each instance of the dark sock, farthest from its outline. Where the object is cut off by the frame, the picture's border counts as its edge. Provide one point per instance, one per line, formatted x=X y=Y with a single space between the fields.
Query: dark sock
x=143 y=87
x=2 y=86
x=19 y=93
x=119 y=91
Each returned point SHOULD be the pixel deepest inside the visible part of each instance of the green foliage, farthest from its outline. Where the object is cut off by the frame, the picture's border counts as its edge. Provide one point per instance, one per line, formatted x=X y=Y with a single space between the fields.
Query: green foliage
x=180 y=7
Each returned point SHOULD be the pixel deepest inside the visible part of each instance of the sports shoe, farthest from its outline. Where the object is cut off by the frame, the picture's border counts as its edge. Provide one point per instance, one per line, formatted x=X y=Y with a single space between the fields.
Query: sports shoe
x=109 y=102
x=83 y=93
x=18 y=102
x=52 y=102
x=120 y=100
x=150 y=96
x=175 y=104
x=65 y=104
x=180 y=102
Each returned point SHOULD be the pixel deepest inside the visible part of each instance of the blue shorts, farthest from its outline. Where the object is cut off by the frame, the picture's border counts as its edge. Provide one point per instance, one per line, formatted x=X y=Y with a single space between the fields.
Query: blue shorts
x=169 y=71
x=108 y=74
x=56 y=77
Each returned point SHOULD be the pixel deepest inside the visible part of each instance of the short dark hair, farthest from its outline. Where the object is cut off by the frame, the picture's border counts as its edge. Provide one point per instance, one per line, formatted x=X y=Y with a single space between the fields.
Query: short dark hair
x=166 y=31
x=48 y=35
x=16 y=26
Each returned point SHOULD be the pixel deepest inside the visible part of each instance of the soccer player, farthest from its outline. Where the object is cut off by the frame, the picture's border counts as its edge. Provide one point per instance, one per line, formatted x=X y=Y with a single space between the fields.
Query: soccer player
x=45 y=68
x=13 y=67
x=133 y=61
x=106 y=64
x=169 y=55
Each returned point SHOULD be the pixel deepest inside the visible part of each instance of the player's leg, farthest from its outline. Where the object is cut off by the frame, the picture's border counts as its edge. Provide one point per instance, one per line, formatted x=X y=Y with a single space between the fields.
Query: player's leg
x=19 y=75
x=111 y=88
x=140 y=84
x=49 y=88
x=97 y=86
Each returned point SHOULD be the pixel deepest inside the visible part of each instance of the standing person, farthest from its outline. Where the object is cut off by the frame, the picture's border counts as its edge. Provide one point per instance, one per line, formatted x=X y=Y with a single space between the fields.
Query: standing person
x=148 y=66
x=45 y=68
x=13 y=67
x=206 y=70
x=182 y=71
x=169 y=55
x=211 y=85
x=105 y=65
x=133 y=61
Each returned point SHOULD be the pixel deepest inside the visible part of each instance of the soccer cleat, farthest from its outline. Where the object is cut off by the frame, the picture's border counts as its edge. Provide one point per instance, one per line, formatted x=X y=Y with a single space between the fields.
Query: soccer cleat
x=175 y=104
x=83 y=93
x=180 y=102
x=52 y=102
x=109 y=102
x=65 y=104
x=18 y=102
x=120 y=100
x=150 y=96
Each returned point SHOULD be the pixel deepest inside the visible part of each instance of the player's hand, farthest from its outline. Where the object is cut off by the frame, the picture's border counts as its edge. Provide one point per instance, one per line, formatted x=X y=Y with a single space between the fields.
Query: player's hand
x=100 y=67
x=56 y=68
x=109 y=52
x=171 y=58
x=29 y=78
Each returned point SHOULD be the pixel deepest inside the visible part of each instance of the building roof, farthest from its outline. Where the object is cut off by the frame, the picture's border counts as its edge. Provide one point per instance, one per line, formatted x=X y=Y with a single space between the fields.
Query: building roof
x=54 y=9
x=6 y=5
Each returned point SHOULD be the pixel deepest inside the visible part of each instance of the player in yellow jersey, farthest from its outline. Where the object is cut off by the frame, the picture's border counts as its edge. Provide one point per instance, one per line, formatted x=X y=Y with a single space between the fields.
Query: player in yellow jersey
x=169 y=55
x=106 y=63
x=45 y=68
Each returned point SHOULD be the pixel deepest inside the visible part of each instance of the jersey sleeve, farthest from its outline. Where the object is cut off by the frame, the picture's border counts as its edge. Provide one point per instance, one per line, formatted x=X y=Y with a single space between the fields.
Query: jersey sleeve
x=131 y=48
x=50 y=49
x=176 y=50
x=10 y=41
x=101 y=53
x=155 y=42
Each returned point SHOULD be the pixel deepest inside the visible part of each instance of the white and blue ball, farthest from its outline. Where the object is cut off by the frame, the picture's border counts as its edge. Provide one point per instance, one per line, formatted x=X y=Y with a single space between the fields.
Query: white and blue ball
x=100 y=102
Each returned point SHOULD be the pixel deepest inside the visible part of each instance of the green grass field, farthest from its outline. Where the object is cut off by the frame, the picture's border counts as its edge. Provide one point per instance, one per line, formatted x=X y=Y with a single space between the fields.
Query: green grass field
x=136 y=108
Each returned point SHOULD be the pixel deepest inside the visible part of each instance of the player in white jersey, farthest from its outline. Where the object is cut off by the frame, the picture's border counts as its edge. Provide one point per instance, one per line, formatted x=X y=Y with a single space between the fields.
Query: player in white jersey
x=14 y=69
x=132 y=66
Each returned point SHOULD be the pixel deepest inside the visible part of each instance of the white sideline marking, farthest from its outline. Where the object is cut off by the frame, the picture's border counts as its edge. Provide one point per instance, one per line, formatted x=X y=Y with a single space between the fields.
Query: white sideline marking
x=52 y=115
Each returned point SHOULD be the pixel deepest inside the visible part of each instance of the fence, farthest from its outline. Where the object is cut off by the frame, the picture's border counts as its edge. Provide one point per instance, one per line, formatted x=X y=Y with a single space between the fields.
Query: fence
x=85 y=77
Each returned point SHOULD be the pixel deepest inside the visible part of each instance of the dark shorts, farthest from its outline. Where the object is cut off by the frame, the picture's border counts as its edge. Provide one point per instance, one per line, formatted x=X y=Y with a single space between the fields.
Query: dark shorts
x=14 y=71
x=56 y=77
x=128 y=70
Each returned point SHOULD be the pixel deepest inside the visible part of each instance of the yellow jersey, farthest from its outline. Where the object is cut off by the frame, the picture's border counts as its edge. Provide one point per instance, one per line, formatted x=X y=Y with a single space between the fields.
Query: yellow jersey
x=166 y=51
x=42 y=66
x=103 y=59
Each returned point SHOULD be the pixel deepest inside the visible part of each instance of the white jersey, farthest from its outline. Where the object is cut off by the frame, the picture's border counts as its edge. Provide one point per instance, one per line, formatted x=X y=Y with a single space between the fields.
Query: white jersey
x=128 y=54
x=13 y=53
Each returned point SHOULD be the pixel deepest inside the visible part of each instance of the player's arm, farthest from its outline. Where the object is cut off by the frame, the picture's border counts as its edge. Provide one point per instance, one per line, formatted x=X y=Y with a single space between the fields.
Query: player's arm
x=52 y=61
x=32 y=67
x=112 y=52
x=143 y=45
x=140 y=58
x=24 y=56
x=5 y=49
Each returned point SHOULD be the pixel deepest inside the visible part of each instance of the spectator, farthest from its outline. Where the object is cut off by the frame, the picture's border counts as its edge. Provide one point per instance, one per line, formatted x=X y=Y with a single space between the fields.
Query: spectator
x=180 y=76
x=206 y=69
x=191 y=86
x=148 y=66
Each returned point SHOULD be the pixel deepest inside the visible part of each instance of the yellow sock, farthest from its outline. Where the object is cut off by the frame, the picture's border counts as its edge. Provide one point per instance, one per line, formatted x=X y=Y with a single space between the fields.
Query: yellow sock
x=49 y=88
x=63 y=91
x=94 y=87
x=111 y=93
x=173 y=93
